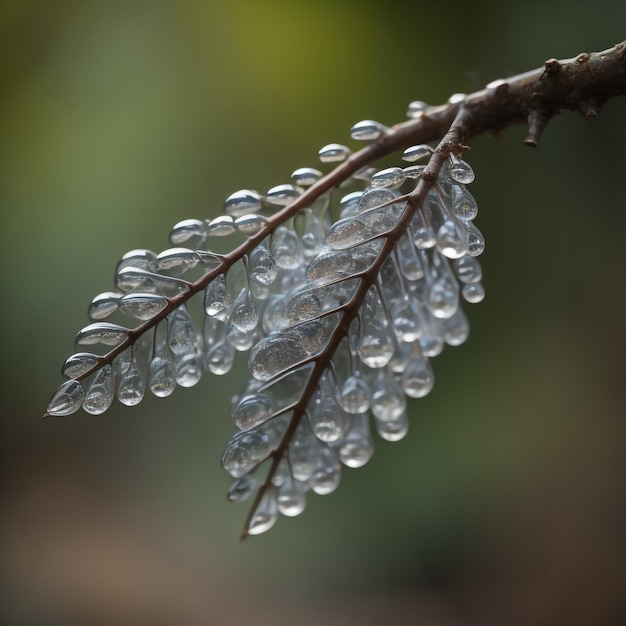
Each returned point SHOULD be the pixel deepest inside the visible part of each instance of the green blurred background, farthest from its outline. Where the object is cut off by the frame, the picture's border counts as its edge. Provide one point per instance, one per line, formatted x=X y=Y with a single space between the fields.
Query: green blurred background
x=505 y=504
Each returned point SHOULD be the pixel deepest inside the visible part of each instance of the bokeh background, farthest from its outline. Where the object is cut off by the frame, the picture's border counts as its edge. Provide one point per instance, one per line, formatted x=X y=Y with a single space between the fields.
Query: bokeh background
x=507 y=501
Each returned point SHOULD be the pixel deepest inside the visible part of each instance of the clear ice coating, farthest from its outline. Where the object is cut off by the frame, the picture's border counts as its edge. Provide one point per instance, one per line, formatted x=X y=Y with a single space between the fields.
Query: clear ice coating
x=243 y=202
x=143 y=306
x=367 y=130
x=188 y=229
x=102 y=332
x=103 y=305
x=67 y=399
x=131 y=386
x=333 y=153
x=79 y=364
x=100 y=393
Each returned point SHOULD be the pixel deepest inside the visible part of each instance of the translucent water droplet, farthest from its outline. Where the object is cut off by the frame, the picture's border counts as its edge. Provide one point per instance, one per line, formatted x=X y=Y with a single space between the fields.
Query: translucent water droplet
x=252 y=411
x=388 y=401
x=275 y=354
x=242 y=202
x=407 y=320
x=326 y=472
x=329 y=266
x=460 y=171
x=416 y=153
x=303 y=306
x=242 y=489
x=216 y=298
x=347 y=233
x=142 y=306
x=246 y=450
x=79 y=364
x=104 y=305
x=423 y=233
x=464 y=206
x=456 y=329
x=313 y=235
x=241 y=341
x=139 y=258
x=376 y=344
x=329 y=422
x=333 y=153
x=416 y=108
x=99 y=396
x=414 y=171
x=102 y=332
x=431 y=339
x=262 y=268
x=473 y=292
x=273 y=319
x=220 y=358
x=393 y=430
x=131 y=388
x=137 y=279
x=468 y=269
x=286 y=247
x=176 y=259
x=357 y=448
x=244 y=315
x=389 y=177
x=265 y=515
x=249 y=225
x=408 y=259
x=355 y=396
x=186 y=230
x=367 y=130
x=291 y=497
x=182 y=336
x=305 y=176
x=282 y=195
x=452 y=239
x=443 y=297
x=162 y=376
x=418 y=378
x=221 y=226
x=67 y=399
x=476 y=245
x=349 y=204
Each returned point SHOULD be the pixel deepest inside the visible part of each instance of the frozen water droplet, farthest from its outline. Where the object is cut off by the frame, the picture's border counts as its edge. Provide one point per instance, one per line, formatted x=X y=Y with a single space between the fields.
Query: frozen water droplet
x=100 y=393
x=176 y=259
x=102 y=332
x=416 y=108
x=262 y=266
x=243 y=202
x=216 y=298
x=468 y=269
x=282 y=195
x=220 y=358
x=456 y=329
x=367 y=130
x=418 y=378
x=347 y=233
x=265 y=515
x=460 y=171
x=464 y=206
x=305 y=176
x=328 y=421
x=251 y=224
x=349 y=204
x=139 y=258
x=79 y=364
x=326 y=472
x=388 y=401
x=407 y=320
x=242 y=489
x=67 y=399
x=143 y=306
x=389 y=177
x=162 y=377
x=104 y=305
x=131 y=388
x=423 y=233
x=393 y=430
x=416 y=153
x=473 y=292
x=291 y=497
x=355 y=396
x=286 y=248
x=414 y=171
x=186 y=230
x=221 y=226
x=357 y=448
x=244 y=315
x=188 y=369
x=452 y=239
x=330 y=265
x=313 y=234
x=374 y=198
x=252 y=411
x=333 y=153
x=408 y=259
x=275 y=354
x=376 y=345
x=443 y=297
x=476 y=245
x=182 y=334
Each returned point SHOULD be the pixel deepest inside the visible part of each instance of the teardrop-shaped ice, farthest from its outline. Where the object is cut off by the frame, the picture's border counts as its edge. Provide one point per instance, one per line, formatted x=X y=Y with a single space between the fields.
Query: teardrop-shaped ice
x=443 y=297
x=79 y=364
x=305 y=176
x=262 y=267
x=476 y=245
x=456 y=328
x=414 y=171
x=415 y=153
x=104 y=305
x=313 y=234
x=185 y=230
x=408 y=259
x=286 y=247
x=220 y=358
x=143 y=306
x=251 y=224
x=367 y=130
x=326 y=471
x=242 y=488
x=357 y=448
x=131 y=388
x=388 y=401
x=102 y=332
x=242 y=202
x=376 y=344
x=333 y=153
x=140 y=258
x=182 y=335
x=393 y=430
x=221 y=226
x=460 y=171
x=389 y=177
x=407 y=319
x=216 y=298
x=416 y=108
x=347 y=233
x=355 y=396
x=473 y=292
x=330 y=265
x=275 y=354
x=282 y=195
x=244 y=315
x=464 y=206
x=99 y=396
x=138 y=279
x=291 y=497
x=176 y=259
x=252 y=411
x=418 y=378
x=67 y=399
x=162 y=376
x=329 y=422
x=265 y=515
x=188 y=369
x=468 y=269
x=423 y=233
